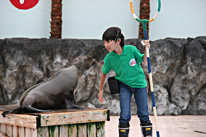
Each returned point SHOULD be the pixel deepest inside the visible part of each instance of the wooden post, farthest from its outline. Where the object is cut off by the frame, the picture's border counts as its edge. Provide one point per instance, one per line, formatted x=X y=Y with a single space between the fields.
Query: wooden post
x=82 y=130
x=91 y=128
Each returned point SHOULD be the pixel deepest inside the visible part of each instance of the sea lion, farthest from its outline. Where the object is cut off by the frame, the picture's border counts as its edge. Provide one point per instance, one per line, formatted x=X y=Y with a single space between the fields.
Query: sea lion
x=56 y=92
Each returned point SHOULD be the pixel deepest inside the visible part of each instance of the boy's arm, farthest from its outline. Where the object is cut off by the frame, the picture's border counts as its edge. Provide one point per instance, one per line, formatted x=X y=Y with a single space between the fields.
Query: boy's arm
x=103 y=76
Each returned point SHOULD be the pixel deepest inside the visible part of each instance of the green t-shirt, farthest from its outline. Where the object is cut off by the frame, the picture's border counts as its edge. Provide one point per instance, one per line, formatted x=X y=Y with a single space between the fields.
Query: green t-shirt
x=126 y=66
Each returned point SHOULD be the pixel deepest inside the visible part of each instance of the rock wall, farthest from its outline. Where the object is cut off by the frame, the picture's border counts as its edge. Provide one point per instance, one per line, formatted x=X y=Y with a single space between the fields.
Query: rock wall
x=178 y=68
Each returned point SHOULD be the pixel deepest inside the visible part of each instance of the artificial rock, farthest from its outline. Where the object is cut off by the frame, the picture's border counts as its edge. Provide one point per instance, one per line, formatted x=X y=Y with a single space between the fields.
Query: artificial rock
x=178 y=68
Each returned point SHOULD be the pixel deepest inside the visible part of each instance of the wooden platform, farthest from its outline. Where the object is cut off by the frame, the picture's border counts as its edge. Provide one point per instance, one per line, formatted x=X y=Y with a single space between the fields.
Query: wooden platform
x=63 y=123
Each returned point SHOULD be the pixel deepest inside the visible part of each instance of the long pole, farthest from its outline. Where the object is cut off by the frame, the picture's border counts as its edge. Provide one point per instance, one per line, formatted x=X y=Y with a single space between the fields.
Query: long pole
x=144 y=23
x=150 y=80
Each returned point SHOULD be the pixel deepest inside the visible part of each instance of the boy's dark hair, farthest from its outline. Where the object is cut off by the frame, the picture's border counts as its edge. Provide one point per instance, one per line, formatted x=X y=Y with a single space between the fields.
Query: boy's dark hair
x=113 y=33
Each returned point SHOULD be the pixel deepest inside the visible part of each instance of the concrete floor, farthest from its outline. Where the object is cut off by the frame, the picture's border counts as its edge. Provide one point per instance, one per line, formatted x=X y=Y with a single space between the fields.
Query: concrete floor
x=169 y=126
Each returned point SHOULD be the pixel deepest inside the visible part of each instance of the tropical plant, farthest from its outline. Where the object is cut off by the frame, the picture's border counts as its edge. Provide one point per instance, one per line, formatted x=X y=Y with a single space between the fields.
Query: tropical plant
x=56 y=19
x=144 y=14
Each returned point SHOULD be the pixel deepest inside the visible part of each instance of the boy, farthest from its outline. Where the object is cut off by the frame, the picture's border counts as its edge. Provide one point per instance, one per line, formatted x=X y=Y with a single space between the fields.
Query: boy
x=125 y=61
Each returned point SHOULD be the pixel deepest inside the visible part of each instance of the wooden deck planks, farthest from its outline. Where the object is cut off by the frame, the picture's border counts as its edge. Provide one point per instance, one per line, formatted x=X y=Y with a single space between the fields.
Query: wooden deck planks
x=73 y=117
x=21 y=120
x=66 y=123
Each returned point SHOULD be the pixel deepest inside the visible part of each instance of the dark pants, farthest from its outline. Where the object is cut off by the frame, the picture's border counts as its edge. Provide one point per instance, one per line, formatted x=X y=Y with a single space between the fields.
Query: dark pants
x=140 y=95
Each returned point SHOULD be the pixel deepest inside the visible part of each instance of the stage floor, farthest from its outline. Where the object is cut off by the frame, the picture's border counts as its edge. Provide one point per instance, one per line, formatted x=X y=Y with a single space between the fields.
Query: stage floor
x=169 y=126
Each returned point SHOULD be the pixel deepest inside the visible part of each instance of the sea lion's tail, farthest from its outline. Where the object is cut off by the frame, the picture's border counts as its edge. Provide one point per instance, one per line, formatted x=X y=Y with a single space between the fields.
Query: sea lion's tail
x=26 y=109
x=30 y=109
x=15 y=111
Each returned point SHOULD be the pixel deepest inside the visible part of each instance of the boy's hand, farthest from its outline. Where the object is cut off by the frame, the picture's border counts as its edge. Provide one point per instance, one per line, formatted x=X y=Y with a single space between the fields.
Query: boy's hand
x=145 y=43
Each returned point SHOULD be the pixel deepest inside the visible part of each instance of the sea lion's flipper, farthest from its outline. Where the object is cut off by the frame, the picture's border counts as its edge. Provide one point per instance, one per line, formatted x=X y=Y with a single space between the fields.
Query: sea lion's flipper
x=70 y=102
x=30 y=109
x=77 y=107
x=5 y=113
x=15 y=111
x=72 y=105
